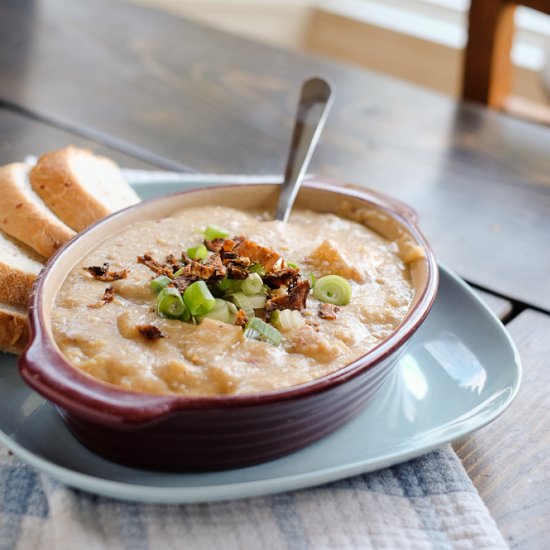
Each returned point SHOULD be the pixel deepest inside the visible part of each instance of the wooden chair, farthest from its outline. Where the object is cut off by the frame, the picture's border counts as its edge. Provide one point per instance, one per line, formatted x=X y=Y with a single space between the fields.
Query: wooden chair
x=488 y=68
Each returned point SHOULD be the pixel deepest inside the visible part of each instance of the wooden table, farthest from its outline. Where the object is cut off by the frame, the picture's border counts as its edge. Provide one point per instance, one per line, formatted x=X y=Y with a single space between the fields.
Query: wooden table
x=152 y=90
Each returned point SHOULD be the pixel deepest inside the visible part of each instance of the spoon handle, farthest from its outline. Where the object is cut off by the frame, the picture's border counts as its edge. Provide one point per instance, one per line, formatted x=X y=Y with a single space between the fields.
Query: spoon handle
x=313 y=108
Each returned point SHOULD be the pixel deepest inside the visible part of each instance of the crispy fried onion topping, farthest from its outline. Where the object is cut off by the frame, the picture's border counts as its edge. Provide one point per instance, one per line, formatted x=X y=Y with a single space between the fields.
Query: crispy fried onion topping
x=328 y=312
x=237 y=258
x=150 y=332
x=103 y=273
x=108 y=296
x=294 y=298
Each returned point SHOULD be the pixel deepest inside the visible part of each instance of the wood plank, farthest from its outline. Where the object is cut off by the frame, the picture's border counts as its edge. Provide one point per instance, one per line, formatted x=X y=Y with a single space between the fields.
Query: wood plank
x=22 y=136
x=509 y=460
x=480 y=181
x=499 y=306
x=272 y=21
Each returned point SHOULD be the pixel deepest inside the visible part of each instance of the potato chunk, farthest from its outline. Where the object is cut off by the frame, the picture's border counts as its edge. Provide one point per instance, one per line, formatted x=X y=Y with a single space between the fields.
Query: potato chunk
x=328 y=259
x=133 y=289
x=211 y=339
x=314 y=344
x=179 y=376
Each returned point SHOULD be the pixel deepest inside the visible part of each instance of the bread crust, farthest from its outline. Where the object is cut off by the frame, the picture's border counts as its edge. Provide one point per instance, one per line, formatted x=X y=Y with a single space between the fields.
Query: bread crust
x=41 y=215
x=60 y=188
x=15 y=286
x=26 y=220
x=19 y=267
x=14 y=331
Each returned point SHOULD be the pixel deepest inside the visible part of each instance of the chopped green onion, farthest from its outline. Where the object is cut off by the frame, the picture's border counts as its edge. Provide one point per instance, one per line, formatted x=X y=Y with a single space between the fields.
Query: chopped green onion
x=220 y=312
x=312 y=280
x=257 y=268
x=287 y=320
x=256 y=329
x=198 y=252
x=242 y=301
x=293 y=265
x=224 y=284
x=198 y=298
x=332 y=289
x=232 y=308
x=227 y=286
x=258 y=301
x=252 y=284
x=170 y=303
x=178 y=273
x=160 y=282
x=186 y=315
x=215 y=232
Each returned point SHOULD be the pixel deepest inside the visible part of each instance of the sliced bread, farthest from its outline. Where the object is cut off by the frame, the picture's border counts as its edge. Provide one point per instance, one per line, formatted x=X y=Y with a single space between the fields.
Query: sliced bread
x=79 y=187
x=24 y=215
x=14 y=328
x=19 y=267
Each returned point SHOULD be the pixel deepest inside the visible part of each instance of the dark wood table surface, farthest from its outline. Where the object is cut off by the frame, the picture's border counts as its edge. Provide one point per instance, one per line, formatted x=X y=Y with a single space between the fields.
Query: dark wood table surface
x=151 y=90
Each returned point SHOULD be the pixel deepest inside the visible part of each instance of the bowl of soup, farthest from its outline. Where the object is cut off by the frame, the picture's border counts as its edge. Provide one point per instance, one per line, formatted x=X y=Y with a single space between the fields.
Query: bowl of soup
x=193 y=332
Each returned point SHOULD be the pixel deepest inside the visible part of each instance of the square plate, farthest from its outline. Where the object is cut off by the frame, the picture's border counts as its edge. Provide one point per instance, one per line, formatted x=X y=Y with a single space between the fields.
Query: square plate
x=460 y=371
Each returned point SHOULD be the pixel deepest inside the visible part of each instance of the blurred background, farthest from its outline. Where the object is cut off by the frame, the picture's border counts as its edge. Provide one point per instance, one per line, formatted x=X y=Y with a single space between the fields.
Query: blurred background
x=417 y=40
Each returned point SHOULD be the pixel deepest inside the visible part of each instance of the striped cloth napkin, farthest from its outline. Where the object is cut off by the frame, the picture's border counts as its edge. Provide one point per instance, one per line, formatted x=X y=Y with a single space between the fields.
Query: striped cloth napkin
x=425 y=503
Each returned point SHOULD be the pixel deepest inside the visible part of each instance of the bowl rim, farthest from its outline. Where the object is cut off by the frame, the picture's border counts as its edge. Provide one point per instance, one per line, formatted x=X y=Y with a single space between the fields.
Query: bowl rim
x=43 y=366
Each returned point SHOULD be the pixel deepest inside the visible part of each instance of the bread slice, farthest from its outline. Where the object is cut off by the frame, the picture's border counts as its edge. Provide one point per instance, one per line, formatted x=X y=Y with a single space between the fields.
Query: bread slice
x=14 y=329
x=80 y=187
x=19 y=267
x=24 y=215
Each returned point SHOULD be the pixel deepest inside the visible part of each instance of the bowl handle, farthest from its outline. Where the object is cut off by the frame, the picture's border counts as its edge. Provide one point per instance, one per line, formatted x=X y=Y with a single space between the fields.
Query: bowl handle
x=48 y=372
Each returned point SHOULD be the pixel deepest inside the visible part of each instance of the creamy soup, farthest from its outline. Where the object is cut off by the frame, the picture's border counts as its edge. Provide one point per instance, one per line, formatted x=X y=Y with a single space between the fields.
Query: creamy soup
x=112 y=330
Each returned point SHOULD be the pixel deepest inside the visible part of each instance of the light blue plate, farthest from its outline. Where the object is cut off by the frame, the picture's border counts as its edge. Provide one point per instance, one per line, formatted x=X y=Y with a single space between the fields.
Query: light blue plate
x=460 y=372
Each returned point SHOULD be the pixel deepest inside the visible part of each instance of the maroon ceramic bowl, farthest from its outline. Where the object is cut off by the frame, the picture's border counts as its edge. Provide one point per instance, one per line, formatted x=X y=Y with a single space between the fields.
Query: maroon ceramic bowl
x=210 y=433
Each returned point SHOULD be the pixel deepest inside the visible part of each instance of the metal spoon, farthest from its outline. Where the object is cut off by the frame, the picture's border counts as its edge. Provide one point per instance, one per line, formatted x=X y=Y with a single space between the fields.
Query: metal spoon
x=313 y=108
